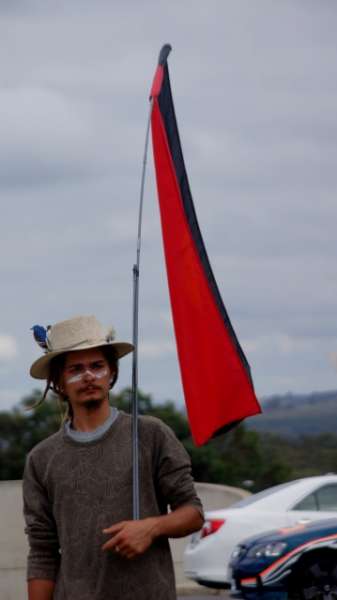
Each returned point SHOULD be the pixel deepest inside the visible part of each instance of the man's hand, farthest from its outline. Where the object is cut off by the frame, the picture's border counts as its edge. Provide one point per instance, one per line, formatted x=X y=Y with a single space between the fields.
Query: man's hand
x=131 y=538
x=40 y=589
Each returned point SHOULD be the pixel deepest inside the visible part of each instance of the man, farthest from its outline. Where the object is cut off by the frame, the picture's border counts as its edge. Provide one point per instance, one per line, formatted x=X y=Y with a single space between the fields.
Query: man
x=77 y=484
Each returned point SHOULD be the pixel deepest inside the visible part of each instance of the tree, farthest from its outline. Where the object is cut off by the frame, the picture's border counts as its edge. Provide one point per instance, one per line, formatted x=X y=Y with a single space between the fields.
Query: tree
x=231 y=458
x=21 y=429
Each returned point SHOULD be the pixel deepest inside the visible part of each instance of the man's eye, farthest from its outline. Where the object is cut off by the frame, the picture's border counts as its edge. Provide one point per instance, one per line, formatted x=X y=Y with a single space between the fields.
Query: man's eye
x=75 y=369
x=97 y=366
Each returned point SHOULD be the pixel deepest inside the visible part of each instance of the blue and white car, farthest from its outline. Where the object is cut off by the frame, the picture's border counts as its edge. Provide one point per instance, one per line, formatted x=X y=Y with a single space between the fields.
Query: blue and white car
x=208 y=552
x=299 y=562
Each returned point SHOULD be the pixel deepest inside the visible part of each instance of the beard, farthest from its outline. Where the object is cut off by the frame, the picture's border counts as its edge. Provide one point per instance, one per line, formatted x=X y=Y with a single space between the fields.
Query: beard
x=89 y=397
x=92 y=404
x=94 y=398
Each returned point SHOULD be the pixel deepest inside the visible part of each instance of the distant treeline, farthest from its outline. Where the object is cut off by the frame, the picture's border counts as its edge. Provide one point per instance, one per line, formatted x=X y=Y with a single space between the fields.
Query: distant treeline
x=242 y=457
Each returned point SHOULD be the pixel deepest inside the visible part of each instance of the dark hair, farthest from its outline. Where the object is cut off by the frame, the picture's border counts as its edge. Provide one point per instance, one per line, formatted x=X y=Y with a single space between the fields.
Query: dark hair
x=55 y=373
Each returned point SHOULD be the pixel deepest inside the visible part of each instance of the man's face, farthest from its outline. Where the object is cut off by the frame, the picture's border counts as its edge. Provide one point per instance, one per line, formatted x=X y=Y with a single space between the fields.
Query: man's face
x=86 y=377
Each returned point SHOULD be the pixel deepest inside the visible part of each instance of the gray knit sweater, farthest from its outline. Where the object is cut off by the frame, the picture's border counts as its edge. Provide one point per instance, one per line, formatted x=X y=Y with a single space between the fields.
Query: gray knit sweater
x=72 y=490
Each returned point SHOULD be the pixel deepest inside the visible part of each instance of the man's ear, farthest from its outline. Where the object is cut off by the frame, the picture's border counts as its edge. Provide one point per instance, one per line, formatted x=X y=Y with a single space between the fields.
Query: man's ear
x=61 y=383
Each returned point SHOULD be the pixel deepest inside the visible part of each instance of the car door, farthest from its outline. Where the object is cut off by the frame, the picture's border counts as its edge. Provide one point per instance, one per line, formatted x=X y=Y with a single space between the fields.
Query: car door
x=319 y=504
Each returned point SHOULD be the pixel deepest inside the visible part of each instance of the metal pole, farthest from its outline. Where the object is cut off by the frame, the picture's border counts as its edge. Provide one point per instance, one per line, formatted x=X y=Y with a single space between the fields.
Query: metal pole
x=135 y=444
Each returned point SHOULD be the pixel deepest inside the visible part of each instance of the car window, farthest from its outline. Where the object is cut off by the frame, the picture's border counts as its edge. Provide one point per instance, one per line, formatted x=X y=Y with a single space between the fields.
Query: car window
x=327 y=498
x=308 y=503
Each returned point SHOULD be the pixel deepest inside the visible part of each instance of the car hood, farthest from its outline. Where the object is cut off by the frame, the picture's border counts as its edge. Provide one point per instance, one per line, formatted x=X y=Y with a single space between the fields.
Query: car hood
x=295 y=535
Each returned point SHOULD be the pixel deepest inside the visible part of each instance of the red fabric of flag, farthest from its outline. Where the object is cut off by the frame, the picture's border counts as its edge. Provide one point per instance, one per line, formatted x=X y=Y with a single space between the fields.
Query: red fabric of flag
x=216 y=376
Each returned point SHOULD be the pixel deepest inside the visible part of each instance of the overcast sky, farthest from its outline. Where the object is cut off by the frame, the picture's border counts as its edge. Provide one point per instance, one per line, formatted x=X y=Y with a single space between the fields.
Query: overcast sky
x=255 y=90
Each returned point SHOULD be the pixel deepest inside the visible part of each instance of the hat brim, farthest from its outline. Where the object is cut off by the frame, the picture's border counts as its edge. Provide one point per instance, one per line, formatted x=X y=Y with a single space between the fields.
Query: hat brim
x=40 y=368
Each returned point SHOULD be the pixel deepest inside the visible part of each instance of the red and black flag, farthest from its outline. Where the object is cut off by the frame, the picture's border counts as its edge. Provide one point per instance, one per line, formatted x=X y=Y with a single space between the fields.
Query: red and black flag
x=216 y=377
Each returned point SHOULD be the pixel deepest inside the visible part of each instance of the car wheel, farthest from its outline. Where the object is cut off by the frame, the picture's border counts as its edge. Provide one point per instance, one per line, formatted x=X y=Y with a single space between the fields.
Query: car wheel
x=316 y=578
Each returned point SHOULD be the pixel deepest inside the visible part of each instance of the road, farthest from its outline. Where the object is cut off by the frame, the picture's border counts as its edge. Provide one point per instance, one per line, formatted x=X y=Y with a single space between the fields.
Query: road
x=205 y=596
x=224 y=596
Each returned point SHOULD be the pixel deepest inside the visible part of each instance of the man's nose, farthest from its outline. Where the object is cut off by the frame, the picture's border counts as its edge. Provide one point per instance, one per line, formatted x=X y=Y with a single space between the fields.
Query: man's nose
x=88 y=375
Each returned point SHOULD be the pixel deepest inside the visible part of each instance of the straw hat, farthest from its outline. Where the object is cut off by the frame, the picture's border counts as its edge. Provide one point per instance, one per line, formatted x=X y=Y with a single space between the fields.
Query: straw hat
x=79 y=333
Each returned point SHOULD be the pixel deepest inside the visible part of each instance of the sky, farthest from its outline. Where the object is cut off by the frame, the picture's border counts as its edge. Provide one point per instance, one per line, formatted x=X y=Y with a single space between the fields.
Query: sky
x=255 y=92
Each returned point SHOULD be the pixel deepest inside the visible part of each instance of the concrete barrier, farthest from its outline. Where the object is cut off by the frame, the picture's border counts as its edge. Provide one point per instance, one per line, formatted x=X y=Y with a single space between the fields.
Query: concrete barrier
x=13 y=543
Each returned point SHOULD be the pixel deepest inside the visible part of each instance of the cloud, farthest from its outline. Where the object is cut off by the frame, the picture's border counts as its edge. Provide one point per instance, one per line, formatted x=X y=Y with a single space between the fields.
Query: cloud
x=278 y=343
x=8 y=347
x=9 y=398
x=259 y=132
x=44 y=135
x=152 y=349
x=122 y=228
x=333 y=359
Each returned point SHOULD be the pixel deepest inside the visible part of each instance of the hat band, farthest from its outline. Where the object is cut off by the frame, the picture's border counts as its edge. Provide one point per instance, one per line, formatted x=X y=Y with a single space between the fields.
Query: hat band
x=92 y=342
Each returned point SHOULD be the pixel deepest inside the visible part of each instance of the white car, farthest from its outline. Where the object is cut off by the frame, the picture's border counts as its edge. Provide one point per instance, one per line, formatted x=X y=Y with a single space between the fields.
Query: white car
x=208 y=552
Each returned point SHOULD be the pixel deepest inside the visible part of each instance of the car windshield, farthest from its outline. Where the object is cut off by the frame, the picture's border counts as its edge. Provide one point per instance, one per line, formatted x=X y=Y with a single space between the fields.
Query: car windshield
x=260 y=495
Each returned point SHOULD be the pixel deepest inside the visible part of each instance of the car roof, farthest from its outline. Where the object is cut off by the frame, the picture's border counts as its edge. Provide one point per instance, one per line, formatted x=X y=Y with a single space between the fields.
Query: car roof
x=283 y=496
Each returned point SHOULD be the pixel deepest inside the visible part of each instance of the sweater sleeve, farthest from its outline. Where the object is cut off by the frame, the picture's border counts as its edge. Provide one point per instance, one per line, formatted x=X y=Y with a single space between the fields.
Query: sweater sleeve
x=44 y=556
x=174 y=472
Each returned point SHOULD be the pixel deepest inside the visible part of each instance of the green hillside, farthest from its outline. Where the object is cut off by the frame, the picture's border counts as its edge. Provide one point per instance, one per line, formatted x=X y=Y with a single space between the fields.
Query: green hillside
x=294 y=415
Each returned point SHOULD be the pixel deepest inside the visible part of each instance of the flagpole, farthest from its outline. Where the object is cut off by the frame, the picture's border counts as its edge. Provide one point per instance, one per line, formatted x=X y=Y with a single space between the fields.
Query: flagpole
x=135 y=409
x=164 y=52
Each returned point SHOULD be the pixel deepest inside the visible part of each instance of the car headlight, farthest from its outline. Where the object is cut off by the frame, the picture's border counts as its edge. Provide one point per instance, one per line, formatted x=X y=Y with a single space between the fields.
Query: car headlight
x=267 y=550
x=238 y=551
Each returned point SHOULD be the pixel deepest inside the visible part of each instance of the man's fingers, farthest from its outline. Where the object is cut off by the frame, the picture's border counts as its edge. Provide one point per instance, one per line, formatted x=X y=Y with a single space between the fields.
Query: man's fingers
x=109 y=545
x=122 y=551
x=128 y=538
x=114 y=543
x=114 y=528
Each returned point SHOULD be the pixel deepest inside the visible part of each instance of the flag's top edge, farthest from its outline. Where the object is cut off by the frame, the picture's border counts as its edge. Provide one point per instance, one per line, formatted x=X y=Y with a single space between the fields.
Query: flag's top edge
x=163 y=54
x=159 y=74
